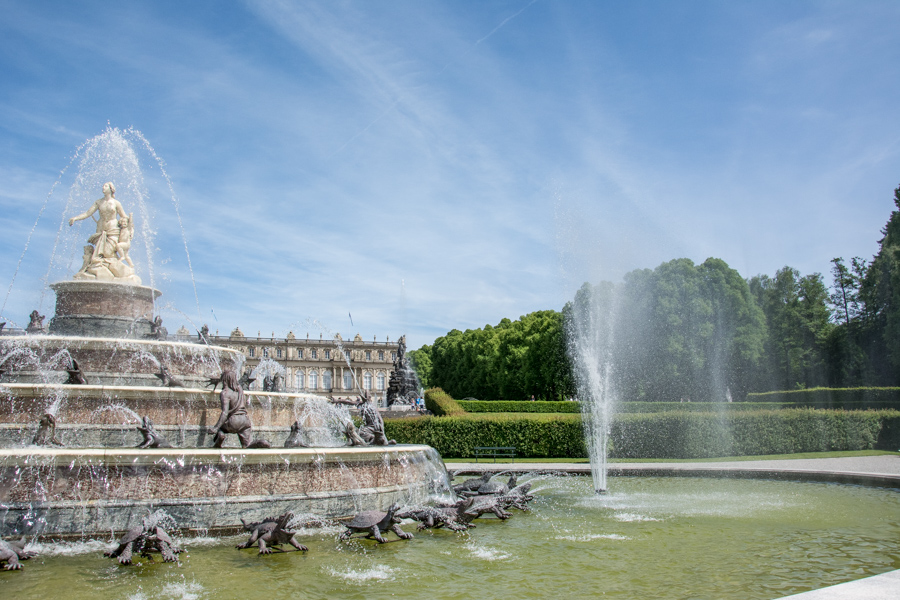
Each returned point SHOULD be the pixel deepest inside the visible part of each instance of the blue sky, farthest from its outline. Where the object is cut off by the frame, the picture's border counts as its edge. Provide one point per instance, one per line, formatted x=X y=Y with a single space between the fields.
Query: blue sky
x=427 y=165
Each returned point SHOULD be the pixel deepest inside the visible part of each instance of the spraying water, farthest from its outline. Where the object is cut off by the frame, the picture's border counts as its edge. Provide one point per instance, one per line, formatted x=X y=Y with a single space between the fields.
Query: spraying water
x=590 y=335
x=125 y=158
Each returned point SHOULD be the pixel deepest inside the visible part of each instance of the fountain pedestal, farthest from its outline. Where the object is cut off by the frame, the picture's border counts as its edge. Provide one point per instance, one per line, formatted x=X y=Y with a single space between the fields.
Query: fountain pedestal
x=102 y=309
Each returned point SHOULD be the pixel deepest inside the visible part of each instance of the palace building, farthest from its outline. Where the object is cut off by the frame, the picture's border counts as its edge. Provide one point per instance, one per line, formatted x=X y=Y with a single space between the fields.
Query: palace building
x=328 y=367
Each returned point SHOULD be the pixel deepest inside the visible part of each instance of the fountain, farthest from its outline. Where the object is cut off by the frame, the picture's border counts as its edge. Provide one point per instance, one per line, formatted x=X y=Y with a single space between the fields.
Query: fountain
x=591 y=348
x=105 y=362
x=403 y=385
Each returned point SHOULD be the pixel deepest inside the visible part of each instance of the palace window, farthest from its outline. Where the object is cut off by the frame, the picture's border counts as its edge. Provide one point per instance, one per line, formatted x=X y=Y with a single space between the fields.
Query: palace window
x=380 y=381
x=278 y=352
x=367 y=381
x=314 y=380
x=314 y=353
x=347 y=354
x=299 y=352
x=298 y=380
x=348 y=380
x=265 y=353
x=368 y=355
x=326 y=380
x=393 y=356
x=327 y=354
x=381 y=355
x=252 y=351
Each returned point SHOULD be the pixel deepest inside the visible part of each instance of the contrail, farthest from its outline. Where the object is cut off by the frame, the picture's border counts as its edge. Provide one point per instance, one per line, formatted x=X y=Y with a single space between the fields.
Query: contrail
x=505 y=21
x=397 y=101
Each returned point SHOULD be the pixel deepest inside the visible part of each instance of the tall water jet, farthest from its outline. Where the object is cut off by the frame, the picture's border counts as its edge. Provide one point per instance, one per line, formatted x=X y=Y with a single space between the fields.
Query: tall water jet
x=589 y=323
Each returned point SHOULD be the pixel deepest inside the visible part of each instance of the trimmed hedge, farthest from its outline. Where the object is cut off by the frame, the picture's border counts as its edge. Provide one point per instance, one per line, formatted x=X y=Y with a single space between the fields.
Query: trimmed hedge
x=787 y=431
x=441 y=403
x=659 y=435
x=855 y=398
x=710 y=407
x=533 y=436
x=519 y=406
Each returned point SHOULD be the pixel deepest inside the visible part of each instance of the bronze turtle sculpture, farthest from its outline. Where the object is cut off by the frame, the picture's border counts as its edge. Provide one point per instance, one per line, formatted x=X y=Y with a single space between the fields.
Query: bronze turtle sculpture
x=12 y=552
x=431 y=517
x=470 y=485
x=143 y=540
x=518 y=497
x=373 y=522
x=484 y=504
x=271 y=531
x=493 y=486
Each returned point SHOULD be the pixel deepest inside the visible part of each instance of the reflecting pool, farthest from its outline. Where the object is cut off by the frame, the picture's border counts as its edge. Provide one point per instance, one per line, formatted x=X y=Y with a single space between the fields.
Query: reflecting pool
x=647 y=538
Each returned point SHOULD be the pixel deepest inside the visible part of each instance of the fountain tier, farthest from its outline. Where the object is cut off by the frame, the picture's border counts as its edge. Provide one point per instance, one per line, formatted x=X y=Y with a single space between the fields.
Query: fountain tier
x=64 y=492
x=103 y=309
x=111 y=362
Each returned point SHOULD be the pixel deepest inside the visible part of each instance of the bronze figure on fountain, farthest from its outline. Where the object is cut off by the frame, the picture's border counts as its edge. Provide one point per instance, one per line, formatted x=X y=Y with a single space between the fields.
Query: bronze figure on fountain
x=234 y=417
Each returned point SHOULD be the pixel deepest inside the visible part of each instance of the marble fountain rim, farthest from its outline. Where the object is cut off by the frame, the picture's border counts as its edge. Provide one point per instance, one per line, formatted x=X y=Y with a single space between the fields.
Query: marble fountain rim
x=142 y=391
x=42 y=339
x=80 y=285
x=203 y=456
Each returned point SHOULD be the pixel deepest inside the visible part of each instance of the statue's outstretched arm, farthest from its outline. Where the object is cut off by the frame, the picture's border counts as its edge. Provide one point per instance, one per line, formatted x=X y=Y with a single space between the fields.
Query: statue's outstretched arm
x=85 y=214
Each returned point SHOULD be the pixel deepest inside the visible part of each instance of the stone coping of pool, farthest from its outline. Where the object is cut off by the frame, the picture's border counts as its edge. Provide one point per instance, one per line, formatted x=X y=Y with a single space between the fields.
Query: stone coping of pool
x=882 y=470
x=201 y=456
x=878 y=587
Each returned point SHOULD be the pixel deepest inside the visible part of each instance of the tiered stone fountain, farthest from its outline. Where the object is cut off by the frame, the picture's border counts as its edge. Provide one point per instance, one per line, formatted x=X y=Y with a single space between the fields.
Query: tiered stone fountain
x=99 y=481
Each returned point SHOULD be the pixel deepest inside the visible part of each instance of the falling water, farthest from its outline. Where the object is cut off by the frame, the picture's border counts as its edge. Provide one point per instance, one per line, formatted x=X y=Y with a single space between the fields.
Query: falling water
x=591 y=348
x=125 y=158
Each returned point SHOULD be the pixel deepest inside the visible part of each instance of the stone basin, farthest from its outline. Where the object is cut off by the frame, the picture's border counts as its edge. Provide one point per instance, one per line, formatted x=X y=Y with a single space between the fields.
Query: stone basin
x=90 y=491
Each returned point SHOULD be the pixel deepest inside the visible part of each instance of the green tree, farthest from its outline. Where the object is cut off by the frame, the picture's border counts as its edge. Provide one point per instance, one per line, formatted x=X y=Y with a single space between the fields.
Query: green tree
x=880 y=291
x=797 y=317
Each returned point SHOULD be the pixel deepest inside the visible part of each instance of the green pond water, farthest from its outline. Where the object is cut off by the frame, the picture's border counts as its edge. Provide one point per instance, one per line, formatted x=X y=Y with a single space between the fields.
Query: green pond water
x=673 y=538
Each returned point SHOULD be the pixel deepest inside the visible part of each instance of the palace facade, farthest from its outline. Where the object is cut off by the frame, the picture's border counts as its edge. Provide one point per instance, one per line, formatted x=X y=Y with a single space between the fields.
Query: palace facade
x=328 y=367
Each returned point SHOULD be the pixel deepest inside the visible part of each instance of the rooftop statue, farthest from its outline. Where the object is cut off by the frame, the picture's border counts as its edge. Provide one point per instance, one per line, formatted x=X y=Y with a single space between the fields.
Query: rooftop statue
x=106 y=258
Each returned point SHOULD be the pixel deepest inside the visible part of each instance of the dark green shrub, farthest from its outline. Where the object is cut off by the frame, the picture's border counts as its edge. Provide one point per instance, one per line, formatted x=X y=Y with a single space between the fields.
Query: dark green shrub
x=533 y=436
x=441 y=403
x=788 y=431
x=848 y=398
x=518 y=406
x=658 y=435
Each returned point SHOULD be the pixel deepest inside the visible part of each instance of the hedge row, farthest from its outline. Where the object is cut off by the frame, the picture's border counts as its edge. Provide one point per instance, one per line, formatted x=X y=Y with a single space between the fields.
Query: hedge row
x=857 y=398
x=713 y=407
x=533 y=436
x=772 y=402
x=519 y=406
x=659 y=435
x=441 y=403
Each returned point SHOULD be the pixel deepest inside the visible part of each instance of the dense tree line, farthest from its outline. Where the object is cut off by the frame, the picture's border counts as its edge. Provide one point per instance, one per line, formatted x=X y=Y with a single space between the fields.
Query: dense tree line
x=514 y=359
x=863 y=347
x=678 y=332
x=692 y=332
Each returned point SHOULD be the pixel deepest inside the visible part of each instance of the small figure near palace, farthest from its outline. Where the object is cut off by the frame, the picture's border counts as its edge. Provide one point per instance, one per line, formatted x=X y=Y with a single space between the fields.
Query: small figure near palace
x=107 y=257
x=35 y=323
x=372 y=431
